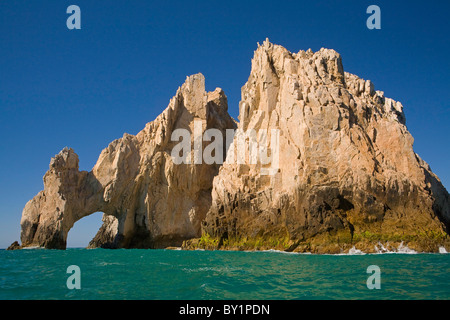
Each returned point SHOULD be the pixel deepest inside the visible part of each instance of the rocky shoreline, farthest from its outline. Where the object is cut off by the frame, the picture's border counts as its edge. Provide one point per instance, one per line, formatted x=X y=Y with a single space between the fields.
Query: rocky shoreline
x=323 y=245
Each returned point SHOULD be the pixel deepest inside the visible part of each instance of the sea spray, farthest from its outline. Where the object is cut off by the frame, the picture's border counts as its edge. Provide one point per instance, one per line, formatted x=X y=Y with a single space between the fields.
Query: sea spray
x=354 y=251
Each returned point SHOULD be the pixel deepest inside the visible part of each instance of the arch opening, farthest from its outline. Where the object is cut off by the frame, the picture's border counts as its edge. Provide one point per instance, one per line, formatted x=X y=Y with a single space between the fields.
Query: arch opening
x=84 y=230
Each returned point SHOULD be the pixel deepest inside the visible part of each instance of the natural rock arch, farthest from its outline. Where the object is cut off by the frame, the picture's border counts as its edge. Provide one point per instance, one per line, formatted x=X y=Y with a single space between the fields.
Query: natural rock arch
x=154 y=202
x=347 y=169
x=68 y=196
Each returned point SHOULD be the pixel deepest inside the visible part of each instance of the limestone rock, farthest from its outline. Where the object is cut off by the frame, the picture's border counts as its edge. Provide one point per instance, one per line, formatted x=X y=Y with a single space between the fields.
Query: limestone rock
x=147 y=200
x=68 y=196
x=334 y=169
x=346 y=172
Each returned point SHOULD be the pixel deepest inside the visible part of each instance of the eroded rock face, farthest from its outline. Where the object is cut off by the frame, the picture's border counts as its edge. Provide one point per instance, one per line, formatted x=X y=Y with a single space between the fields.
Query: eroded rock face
x=68 y=196
x=347 y=170
x=343 y=172
x=147 y=200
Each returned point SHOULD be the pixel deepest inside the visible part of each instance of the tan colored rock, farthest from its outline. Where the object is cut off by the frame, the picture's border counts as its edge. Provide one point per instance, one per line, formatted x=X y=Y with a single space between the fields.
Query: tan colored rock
x=347 y=168
x=334 y=169
x=147 y=200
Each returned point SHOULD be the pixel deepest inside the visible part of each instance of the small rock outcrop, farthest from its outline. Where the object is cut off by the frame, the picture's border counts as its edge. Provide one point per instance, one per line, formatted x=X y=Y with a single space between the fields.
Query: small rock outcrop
x=14 y=246
x=147 y=200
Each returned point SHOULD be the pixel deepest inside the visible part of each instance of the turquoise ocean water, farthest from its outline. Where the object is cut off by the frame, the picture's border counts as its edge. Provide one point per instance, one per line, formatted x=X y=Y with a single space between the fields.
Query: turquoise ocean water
x=169 y=274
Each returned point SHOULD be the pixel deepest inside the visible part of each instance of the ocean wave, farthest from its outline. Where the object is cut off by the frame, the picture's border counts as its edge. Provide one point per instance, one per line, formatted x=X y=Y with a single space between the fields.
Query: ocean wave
x=221 y=269
x=379 y=249
x=285 y=252
x=277 y=251
x=104 y=263
x=401 y=249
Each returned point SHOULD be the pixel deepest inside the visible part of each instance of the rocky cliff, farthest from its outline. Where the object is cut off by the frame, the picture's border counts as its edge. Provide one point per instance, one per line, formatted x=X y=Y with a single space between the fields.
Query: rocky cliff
x=341 y=172
x=347 y=173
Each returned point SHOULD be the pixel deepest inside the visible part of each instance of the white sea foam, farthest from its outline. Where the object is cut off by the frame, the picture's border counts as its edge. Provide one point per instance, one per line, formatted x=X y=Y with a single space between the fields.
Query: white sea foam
x=278 y=251
x=404 y=249
x=354 y=251
x=281 y=251
x=220 y=269
x=381 y=249
x=442 y=250
x=104 y=263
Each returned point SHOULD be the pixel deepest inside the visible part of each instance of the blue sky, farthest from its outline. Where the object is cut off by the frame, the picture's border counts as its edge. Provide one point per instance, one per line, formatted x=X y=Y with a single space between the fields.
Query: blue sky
x=85 y=88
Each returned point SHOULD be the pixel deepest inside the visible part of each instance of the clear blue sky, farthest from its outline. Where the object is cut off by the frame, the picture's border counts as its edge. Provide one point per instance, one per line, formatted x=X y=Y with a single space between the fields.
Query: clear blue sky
x=85 y=88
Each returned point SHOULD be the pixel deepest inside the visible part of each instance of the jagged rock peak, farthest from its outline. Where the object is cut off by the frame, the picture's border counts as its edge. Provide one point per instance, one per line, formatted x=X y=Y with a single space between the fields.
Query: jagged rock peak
x=345 y=162
x=65 y=159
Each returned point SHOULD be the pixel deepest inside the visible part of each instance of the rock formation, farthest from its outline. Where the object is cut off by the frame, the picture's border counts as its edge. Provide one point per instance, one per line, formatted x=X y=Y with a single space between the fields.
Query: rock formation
x=347 y=170
x=14 y=246
x=342 y=173
x=147 y=200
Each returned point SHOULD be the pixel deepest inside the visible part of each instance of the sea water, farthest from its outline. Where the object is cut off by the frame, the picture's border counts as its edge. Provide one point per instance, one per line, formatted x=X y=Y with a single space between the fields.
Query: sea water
x=179 y=274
